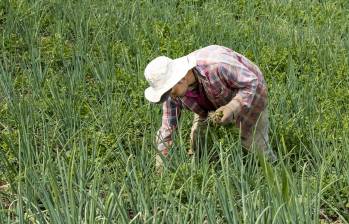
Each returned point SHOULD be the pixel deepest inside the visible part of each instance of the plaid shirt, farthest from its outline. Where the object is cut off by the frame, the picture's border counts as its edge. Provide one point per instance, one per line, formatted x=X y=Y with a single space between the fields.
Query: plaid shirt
x=222 y=75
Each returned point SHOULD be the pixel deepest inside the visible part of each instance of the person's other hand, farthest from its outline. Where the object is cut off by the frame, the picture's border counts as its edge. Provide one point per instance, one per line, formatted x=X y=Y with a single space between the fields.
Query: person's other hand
x=159 y=163
x=229 y=111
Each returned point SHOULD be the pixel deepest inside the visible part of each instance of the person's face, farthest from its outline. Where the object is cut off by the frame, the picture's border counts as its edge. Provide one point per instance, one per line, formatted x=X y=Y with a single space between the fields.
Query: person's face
x=180 y=88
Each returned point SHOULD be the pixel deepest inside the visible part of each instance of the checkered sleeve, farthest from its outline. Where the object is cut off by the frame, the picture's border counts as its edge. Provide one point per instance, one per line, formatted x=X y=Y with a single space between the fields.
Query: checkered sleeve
x=242 y=78
x=171 y=114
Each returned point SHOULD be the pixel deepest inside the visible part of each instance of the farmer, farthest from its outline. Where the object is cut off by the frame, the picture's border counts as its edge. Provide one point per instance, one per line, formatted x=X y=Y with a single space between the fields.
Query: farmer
x=211 y=79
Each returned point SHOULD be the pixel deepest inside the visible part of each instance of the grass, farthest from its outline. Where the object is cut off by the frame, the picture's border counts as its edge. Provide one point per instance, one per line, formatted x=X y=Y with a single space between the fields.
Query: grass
x=77 y=135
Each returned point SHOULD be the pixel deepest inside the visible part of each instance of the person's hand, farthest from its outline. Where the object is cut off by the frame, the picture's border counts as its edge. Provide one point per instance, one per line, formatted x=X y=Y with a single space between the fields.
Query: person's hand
x=159 y=163
x=229 y=112
x=197 y=134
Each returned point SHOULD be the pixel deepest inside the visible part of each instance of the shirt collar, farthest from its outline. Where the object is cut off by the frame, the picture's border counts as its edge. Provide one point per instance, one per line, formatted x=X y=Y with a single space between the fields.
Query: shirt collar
x=198 y=73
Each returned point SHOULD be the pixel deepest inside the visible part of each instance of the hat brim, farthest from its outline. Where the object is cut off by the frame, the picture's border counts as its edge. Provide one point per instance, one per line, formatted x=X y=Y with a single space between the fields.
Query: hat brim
x=178 y=68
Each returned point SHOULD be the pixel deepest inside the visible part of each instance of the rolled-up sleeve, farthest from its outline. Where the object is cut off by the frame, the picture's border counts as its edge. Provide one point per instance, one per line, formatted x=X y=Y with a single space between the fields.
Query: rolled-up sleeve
x=171 y=113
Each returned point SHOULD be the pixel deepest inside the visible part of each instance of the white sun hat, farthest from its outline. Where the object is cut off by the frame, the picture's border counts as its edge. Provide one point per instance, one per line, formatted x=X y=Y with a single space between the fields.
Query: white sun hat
x=163 y=73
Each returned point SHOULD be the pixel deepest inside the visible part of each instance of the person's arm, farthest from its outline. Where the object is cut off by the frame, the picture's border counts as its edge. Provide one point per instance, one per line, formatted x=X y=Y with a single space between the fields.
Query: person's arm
x=171 y=114
x=242 y=78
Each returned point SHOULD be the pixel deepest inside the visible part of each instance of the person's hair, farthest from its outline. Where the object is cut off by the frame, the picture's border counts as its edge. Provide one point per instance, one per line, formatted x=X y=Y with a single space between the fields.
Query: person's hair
x=164 y=96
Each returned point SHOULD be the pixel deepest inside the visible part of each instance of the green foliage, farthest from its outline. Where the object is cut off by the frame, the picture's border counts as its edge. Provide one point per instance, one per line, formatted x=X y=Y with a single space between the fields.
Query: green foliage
x=77 y=135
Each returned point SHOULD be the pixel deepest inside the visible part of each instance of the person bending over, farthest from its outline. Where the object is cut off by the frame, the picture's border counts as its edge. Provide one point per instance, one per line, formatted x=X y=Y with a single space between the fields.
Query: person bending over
x=211 y=79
